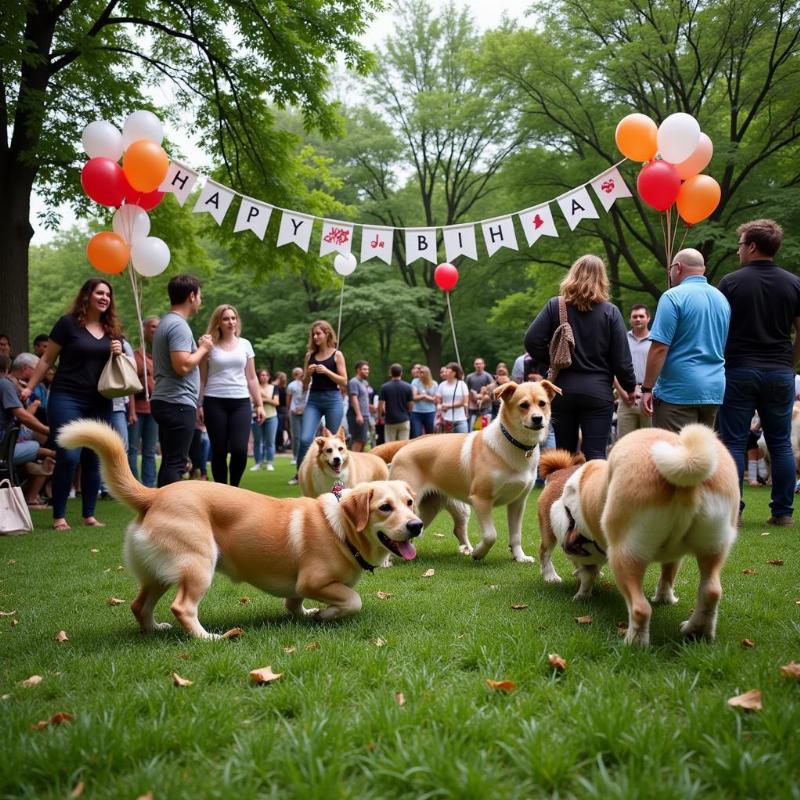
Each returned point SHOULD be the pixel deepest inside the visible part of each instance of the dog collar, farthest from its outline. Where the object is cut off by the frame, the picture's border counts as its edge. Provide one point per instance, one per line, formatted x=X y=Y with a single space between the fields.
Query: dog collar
x=526 y=448
x=336 y=491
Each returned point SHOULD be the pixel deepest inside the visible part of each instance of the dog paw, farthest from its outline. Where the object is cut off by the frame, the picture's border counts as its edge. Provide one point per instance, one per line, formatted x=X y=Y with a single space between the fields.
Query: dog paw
x=638 y=638
x=162 y=626
x=552 y=577
x=465 y=549
x=581 y=595
x=665 y=598
x=690 y=630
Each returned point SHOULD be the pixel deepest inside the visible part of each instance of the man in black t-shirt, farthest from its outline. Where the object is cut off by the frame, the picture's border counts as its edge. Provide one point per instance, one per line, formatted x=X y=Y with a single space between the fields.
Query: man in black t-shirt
x=396 y=401
x=760 y=358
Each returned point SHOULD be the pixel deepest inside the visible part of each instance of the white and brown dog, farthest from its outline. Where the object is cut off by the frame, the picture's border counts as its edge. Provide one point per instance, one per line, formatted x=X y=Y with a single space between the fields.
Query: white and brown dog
x=328 y=461
x=659 y=496
x=492 y=467
x=293 y=548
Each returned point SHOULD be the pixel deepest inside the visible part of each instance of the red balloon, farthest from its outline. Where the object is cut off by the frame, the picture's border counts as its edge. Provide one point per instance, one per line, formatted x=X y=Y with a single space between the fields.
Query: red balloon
x=104 y=181
x=658 y=184
x=446 y=277
x=145 y=200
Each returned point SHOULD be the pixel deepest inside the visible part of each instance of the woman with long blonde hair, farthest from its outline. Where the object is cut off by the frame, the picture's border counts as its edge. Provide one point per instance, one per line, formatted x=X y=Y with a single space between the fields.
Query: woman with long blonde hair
x=601 y=353
x=423 y=412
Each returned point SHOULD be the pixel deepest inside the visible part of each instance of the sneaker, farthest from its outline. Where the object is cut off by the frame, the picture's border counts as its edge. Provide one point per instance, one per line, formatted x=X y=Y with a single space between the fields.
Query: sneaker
x=270 y=468
x=294 y=463
x=293 y=481
x=781 y=522
x=71 y=494
x=255 y=468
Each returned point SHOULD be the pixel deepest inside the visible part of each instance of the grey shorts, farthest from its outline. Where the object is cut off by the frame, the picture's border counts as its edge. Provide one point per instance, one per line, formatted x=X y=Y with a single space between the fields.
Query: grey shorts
x=358 y=433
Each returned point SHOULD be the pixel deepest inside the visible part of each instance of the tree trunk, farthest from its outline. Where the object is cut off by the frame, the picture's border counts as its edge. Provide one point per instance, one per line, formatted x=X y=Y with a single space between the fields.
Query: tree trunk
x=433 y=351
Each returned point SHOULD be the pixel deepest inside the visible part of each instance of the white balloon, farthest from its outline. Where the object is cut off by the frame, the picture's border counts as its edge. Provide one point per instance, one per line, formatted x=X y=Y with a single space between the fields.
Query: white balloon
x=101 y=138
x=678 y=137
x=141 y=125
x=345 y=264
x=131 y=223
x=149 y=256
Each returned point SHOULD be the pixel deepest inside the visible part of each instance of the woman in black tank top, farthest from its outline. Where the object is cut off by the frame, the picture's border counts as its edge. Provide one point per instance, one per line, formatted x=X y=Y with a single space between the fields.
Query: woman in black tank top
x=325 y=377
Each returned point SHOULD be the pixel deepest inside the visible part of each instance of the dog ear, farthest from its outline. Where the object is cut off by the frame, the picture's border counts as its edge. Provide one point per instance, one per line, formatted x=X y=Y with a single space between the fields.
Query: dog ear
x=325 y=432
x=410 y=490
x=320 y=440
x=356 y=507
x=340 y=434
x=506 y=389
x=550 y=388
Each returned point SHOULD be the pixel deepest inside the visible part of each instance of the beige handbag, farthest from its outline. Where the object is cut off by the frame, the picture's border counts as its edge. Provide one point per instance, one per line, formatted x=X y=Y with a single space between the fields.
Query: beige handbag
x=562 y=345
x=14 y=515
x=118 y=378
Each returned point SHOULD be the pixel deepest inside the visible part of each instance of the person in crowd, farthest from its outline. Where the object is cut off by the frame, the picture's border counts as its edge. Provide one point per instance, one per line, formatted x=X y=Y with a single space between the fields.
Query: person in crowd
x=176 y=360
x=264 y=431
x=501 y=377
x=142 y=428
x=40 y=344
x=601 y=353
x=282 y=432
x=762 y=347
x=82 y=341
x=395 y=401
x=325 y=376
x=476 y=381
x=375 y=420
x=295 y=403
x=228 y=385
x=423 y=412
x=452 y=398
x=120 y=413
x=630 y=416
x=358 y=412
x=199 y=451
x=684 y=377
x=5 y=346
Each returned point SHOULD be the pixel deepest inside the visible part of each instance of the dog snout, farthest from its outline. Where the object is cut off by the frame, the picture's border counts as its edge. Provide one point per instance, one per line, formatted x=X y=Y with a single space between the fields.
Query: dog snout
x=336 y=461
x=537 y=422
x=414 y=527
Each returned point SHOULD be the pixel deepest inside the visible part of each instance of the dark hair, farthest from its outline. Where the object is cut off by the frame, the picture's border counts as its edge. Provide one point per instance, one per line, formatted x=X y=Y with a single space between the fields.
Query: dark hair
x=765 y=234
x=396 y=370
x=108 y=319
x=181 y=286
x=637 y=306
x=42 y=337
x=360 y=364
x=5 y=363
x=456 y=367
x=5 y=336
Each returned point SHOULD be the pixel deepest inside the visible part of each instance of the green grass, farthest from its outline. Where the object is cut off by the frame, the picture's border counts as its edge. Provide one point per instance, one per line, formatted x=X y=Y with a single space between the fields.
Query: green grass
x=619 y=723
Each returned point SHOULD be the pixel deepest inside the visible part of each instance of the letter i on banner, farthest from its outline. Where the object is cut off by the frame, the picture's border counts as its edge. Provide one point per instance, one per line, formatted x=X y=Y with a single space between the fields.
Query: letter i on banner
x=460 y=241
x=295 y=229
x=180 y=181
x=421 y=243
x=215 y=199
x=376 y=243
x=253 y=216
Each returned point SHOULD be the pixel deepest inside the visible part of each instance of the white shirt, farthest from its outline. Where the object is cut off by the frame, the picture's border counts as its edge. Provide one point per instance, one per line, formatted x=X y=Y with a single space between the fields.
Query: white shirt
x=452 y=393
x=226 y=376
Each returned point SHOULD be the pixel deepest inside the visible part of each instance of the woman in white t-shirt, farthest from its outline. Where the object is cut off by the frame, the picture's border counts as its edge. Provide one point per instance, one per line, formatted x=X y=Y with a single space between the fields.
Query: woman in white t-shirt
x=452 y=397
x=228 y=384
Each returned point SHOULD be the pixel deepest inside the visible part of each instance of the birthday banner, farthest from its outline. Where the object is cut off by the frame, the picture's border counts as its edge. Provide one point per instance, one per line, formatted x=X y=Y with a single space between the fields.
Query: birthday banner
x=377 y=241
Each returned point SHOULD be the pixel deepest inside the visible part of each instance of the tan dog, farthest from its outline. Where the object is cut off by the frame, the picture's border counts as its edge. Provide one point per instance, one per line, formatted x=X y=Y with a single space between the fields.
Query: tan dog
x=292 y=548
x=328 y=460
x=659 y=496
x=492 y=467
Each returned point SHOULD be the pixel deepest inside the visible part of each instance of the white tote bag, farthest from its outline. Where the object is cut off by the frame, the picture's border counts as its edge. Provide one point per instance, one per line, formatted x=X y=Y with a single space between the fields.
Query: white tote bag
x=14 y=515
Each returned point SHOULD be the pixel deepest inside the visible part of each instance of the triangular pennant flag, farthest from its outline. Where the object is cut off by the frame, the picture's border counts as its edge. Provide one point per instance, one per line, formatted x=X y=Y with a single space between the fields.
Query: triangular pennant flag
x=537 y=222
x=376 y=243
x=609 y=186
x=180 y=180
x=577 y=205
x=499 y=233
x=253 y=216
x=215 y=199
x=295 y=228
x=420 y=243
x=337 y=237
x=460 y=241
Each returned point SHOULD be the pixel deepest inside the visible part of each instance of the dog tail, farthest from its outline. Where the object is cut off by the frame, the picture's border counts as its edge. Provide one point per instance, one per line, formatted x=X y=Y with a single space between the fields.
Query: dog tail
x=387 y=451
x=553 y=460
x=689 y=461
x=105 y=441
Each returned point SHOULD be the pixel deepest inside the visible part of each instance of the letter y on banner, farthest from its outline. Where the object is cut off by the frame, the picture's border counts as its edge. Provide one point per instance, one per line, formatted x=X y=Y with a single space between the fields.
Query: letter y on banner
x=295 y=228
x=420 y=243
x=180 y=180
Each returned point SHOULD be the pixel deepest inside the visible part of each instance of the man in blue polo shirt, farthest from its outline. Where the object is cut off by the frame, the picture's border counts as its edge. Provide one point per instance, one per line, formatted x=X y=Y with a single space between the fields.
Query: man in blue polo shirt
x=684 y=378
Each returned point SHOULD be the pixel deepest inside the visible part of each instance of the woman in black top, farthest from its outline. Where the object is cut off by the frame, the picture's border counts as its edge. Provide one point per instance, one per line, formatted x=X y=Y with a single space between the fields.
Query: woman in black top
x=601 y=353
x=82 y=340
x=279 y=382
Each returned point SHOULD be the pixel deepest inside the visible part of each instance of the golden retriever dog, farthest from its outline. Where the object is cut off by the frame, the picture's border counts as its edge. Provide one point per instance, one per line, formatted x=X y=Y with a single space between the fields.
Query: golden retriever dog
x=328 y=460
x=492 y=467
x=293 y=548
x=659 y=496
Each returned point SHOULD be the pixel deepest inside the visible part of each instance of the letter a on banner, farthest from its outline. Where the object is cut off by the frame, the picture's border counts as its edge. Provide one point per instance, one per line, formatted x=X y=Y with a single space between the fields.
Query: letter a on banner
x=215 y=199
x=253 y=216
x=180 y=181
x=460 y=241
x=577 y=205
x=537 y=222
x=609 y=186
x=295 y=229
x=421 y=243
x=337 y=237
x=376 y=243
x=499 y=233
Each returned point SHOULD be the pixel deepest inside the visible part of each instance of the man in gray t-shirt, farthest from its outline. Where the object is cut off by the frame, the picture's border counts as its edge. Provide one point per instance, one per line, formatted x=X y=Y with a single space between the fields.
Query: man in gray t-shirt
x=175 y=366
x=358 y=407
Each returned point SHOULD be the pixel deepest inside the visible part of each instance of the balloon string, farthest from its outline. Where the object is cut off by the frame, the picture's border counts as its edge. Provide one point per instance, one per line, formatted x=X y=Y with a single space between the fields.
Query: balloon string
x=138 y=304
x=339 y=325
x=453 y=329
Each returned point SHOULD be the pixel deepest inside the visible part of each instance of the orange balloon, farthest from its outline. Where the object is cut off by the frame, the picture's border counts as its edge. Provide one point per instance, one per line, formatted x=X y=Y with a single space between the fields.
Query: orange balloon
x=698 y=160
x=108 y=252
x=636 y=137
x=697 y=198
x=145 y=165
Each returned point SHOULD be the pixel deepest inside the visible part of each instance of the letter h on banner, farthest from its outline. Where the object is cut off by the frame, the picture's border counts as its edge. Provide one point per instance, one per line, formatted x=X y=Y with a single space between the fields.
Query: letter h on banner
x=180 y=181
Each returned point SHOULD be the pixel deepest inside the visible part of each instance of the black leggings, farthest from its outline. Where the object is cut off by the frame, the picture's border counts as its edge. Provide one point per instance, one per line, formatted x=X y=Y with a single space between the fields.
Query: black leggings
x=592 y=416
x=228 y=425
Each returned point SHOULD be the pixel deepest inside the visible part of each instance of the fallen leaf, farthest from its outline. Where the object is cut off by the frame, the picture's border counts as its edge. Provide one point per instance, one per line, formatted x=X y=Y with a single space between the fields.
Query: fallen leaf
x=379 y=642
x=233 y=633
x=34 y=680
x=120 y=568
x=429 y=573
x=555 y=660
x=265 y=675
x=493 y=587
x=4 y=696
x=11 y=561
x=77 y=790
x=622 y=630
x=438 y=535
x=313 y=646
x=14 y=623
x=501 y=686
x=778 y=562
x=114 y=601
x=519 y=606
x=765 y=533
x=791 y=670
x=184 y=655
x=107 y=569
x=290 y=649
x=148 y=796
x=748 y=643
x=59 y=718
x=586 y=620
x=748 y=571
x=244 y=600
x=750 y=701
x=40 y=725
x=400 y=698
x=62 y=636
x=383 y=595
x=178 y=681
x=7 y=613
x=94 y=550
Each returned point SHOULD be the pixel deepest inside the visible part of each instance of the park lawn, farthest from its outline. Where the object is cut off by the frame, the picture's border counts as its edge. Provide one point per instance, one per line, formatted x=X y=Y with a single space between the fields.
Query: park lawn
x=617 y=723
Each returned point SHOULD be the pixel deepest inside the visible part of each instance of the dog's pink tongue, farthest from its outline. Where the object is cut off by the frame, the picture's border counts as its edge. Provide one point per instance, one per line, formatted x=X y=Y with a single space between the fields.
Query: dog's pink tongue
x=406 y=549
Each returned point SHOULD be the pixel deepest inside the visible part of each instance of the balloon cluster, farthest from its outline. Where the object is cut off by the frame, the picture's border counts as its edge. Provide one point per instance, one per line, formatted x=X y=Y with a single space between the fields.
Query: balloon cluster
x=676 y=152
x=131 y=188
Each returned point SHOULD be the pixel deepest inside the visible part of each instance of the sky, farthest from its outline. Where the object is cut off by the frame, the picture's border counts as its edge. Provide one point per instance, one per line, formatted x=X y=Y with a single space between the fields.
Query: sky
x=487 y=14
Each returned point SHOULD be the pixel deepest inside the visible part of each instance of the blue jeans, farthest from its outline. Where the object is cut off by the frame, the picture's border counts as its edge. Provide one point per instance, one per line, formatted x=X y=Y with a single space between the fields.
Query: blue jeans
x=771 y=393
x=422 y=422
x=146 y=430
x=61 y=409
x=320 y=404
x=264 y=440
